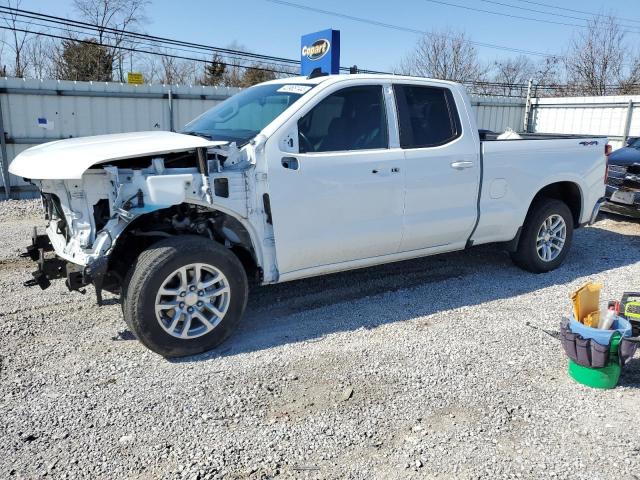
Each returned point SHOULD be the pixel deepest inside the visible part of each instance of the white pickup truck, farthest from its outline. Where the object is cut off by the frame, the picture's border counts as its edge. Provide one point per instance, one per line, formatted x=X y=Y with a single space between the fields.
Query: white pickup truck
x=294 y=178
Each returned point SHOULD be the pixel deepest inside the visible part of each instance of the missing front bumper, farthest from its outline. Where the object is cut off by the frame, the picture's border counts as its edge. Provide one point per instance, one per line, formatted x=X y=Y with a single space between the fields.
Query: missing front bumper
x=52 y=267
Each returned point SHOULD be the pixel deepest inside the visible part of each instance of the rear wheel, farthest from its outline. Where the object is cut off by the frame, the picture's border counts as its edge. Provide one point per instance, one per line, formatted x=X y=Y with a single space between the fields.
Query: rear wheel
x=545 y=238
x=184 y=296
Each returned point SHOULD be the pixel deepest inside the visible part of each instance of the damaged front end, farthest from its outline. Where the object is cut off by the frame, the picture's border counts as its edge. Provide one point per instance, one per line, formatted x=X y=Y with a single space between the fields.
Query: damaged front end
x=126 y=204
x=78 y=266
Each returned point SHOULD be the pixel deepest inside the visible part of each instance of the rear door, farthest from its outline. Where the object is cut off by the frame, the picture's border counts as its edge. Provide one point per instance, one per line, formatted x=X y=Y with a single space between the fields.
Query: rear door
x=442 y=167
x=338 y=195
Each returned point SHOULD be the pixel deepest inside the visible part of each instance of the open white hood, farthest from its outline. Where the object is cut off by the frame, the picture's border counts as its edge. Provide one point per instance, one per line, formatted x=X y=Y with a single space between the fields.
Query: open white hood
x=70 y=158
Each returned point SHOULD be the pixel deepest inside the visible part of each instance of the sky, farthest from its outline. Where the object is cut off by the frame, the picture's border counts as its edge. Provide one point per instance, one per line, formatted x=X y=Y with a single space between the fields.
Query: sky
x=273 y=29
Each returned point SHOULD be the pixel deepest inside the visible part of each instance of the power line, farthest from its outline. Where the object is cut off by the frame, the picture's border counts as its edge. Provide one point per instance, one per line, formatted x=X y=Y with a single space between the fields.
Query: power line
x=148 y=52
x=402 y=28
x=137 y=43
x=541 y=4
x=509 y=5
x=77 y=23
x=510 y=15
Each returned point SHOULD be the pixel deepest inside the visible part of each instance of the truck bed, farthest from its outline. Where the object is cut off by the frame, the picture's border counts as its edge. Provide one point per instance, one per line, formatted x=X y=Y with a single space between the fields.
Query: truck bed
x=514 y=170
x=490 y=136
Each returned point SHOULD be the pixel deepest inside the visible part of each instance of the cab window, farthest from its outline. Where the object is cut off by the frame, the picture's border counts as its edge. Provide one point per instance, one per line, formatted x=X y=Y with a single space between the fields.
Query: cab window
x=353 y=118
x=427 y=116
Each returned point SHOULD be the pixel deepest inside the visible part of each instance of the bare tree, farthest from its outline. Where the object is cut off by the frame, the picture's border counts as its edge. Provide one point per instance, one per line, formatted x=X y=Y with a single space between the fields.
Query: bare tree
x=512 y=73
x=233 y=74
x=595 y=60
x=630 y=85
x=548 y=71
x=151 y=68
x=17 y=40
x=3 y=65
x=444 y=54
x=175 y=71
x=113 y=14
x=39 y=57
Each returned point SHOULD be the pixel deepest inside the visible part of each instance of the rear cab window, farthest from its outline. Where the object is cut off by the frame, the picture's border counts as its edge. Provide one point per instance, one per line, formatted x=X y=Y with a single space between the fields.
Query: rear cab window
x=427 y=116
x=353 y=118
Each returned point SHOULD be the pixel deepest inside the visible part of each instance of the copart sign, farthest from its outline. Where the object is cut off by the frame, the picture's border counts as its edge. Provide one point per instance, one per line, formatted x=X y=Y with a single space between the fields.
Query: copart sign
x=320 y=50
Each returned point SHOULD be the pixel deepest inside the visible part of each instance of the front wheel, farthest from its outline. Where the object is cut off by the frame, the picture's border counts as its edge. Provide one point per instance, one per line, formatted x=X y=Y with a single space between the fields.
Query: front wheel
x=545 y=238
x=184 y=296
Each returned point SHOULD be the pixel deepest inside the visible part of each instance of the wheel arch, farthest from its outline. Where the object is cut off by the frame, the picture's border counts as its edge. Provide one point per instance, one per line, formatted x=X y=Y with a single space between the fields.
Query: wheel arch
x=234 y=231
x=568 y=192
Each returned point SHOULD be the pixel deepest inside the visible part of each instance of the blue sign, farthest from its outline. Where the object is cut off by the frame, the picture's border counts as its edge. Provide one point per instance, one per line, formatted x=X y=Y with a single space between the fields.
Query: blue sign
x=320 y=50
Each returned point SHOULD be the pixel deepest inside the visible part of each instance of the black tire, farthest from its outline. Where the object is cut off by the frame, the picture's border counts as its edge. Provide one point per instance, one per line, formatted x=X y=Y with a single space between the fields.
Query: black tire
x=153 y=267
x=526 y=256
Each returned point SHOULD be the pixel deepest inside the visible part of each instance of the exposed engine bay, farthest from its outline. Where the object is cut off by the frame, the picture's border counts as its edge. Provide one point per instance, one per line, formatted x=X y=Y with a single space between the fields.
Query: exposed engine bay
x=98 y=224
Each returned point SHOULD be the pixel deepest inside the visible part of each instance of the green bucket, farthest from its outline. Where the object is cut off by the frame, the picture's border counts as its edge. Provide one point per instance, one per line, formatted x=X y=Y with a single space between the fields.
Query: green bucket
x=606 y=377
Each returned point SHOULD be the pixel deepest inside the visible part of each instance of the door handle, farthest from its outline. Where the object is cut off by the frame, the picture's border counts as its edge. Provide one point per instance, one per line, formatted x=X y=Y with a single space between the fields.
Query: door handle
x=461 y=165
x=392 y=170
x=290 y=163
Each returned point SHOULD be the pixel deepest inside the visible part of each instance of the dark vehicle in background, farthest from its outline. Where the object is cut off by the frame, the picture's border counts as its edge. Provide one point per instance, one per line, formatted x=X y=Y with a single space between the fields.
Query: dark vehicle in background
x=623 y=180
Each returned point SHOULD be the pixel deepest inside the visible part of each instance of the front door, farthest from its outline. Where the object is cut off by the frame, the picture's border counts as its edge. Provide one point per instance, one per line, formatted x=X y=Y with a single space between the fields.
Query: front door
x=340 y=196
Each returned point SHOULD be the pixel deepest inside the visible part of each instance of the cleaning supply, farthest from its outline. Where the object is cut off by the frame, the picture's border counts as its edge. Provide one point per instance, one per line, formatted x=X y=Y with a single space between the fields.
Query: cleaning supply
x=607 y=320
x=586 y=301
x=596 y=356
x=599 y=343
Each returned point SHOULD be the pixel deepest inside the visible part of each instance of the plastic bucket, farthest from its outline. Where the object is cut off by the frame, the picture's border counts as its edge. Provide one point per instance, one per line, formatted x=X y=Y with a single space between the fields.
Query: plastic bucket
x=604 y=378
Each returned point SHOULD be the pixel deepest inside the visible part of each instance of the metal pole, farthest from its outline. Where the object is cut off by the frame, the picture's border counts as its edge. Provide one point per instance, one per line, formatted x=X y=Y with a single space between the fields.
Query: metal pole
x=5 y=159
x=527 y=108
x=627 y=123
x=170 y=110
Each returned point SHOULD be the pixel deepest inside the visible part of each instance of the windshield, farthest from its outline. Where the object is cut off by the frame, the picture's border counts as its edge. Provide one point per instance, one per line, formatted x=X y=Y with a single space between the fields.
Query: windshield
x=241 y=117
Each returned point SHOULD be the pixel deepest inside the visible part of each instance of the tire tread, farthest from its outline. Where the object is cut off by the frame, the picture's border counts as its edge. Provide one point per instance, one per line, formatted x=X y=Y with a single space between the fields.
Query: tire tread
x=151 y=260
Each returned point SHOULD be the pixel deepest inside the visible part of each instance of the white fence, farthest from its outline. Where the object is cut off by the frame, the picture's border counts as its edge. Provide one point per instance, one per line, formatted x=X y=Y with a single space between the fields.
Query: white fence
x=499 y=113
x=614 y=117
x=37 y=111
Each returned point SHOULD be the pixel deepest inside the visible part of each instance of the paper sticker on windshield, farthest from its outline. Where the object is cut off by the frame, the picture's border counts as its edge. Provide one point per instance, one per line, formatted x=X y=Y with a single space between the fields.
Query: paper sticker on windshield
x=299 y=89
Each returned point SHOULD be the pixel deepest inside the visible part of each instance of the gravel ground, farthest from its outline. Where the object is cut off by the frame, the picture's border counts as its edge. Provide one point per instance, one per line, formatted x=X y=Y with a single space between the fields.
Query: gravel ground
x=445 y=367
